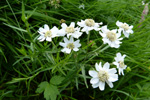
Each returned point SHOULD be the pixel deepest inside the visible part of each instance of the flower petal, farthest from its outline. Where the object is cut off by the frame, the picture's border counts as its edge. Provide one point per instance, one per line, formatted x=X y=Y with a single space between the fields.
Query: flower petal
x=97 y=67
x=104 y=29
x=46 y=27
x=118 y=55
x=126 y=34
x=54 y=30
x=123 y=57
x=62 y=44
x=94 y=80
x=41 y=30
x=93 y=73
x=84 y=29
x=112 y=70
x=95 y=85
x=101 y=85
x=105 y=40
x=71 y=39
x=119 y=70
x=63 y=25
x=61 y=32
x=114 y=30
x=122 y=72
x=75 y=49
x=72 y=24
x=110 y=84
x=65 y=40
x=68 y=50
x=119 y=23
x=131 y=26
x=41 y=39
x=81 y=24
x=118 y=34
x=116 y=63
x=113 y=77
x=49 y=39
x=106 y=66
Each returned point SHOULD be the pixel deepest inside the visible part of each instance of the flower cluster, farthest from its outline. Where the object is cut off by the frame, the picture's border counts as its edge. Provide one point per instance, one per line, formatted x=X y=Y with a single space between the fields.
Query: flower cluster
x=107 y=74
x=112 y=37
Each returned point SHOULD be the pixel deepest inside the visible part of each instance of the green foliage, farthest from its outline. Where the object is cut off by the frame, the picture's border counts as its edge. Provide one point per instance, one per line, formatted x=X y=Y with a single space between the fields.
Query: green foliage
x=42 y=86
x=27 y=65
x=50 y=89
x=56 y=80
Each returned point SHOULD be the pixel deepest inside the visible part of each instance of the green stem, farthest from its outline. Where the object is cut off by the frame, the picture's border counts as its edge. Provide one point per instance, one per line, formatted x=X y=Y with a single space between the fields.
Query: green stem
x=97 y=49
x=88 y=41
x=53 y=44
x=97 y=53
x=88 y=38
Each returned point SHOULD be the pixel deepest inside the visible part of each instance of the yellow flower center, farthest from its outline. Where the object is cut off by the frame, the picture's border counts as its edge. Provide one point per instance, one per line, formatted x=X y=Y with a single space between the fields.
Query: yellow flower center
x=89 y=22
x=48 y=34
x=111 y=36
x=70 y=45
x=103 y=76
x=125 y=26
x=70 y=29
x=121 y=64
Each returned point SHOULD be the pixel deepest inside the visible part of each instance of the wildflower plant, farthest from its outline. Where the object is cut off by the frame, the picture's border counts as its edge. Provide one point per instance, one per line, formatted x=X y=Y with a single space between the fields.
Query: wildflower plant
x=103 y=74
x=63 y=51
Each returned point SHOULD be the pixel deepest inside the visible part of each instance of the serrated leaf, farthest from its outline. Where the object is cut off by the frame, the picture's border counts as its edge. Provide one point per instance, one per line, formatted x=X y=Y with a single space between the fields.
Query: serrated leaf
x=51 y=92
x=42 y=86
x=56 y=80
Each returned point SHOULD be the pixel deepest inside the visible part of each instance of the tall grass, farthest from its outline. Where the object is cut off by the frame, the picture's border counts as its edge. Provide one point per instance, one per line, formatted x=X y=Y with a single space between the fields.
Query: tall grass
x=25 y=62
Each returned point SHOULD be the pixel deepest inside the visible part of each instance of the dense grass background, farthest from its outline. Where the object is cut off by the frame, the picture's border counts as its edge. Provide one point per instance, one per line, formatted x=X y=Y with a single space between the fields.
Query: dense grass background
x=25 y=62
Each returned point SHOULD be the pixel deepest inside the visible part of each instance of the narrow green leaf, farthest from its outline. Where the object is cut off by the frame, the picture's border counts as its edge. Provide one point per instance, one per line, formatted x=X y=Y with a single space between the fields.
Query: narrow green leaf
x=1 y=52
x=31 y=13
x=70 y=76
x=23 y=17
x=13 y=27
x=84 y=76
x=123 y=92
x=15 y=80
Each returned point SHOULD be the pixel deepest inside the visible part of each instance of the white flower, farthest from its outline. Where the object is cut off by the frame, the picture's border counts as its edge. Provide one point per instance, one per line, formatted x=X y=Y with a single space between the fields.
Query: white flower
x=70 y=30
x=88 y=25
x=102 y=75
x=81 y=6
x=143 y=3
x=70 y=45
x=47 y=34
x=111 y=37
x=125 y=28
x=119 y=62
